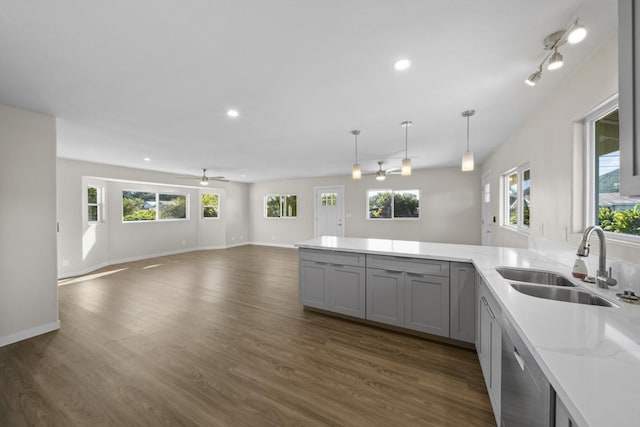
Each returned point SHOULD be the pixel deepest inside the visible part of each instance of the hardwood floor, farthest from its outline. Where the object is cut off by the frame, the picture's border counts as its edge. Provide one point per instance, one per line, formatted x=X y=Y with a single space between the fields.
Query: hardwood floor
x=217 y=338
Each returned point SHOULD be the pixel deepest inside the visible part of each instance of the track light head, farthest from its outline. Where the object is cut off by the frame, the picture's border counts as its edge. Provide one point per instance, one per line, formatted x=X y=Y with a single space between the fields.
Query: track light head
x=533 y=78
x=577 y=33
x=556 y=61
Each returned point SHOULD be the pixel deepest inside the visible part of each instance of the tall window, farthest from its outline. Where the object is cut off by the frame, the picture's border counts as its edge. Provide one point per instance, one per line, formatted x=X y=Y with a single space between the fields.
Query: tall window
x=389 y=204
x=281 y=206
x=613 y=212
x=145 y=206
x=94 y=204
x=210 y=205
x=517 y=198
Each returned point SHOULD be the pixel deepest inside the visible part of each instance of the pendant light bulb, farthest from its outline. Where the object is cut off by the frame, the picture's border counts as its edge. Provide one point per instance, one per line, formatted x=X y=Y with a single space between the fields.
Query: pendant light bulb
x=356 y=171
x=467 y=157
x=406 y=162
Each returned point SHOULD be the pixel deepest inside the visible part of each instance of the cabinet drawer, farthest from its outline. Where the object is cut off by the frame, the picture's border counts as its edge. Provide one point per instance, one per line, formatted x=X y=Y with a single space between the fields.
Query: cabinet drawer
x=332 y=257
x=409 y=265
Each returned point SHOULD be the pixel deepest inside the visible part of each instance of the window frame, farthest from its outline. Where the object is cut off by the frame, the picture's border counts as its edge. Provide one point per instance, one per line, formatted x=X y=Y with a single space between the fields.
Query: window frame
x=393 y=193
x=157 y=206
x=203 y=206
x=282 y=199
x=590 y=175
x=506 y=204
x=99 y=204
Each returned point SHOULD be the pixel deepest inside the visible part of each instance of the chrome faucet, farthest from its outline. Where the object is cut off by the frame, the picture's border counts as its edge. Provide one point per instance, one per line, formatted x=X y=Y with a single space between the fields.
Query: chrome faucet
x=603 y=277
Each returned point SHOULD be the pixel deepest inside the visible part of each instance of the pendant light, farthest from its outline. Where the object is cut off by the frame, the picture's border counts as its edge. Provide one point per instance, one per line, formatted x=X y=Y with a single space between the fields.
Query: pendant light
x=356 y=172
x=467 y=158
x=406 y=162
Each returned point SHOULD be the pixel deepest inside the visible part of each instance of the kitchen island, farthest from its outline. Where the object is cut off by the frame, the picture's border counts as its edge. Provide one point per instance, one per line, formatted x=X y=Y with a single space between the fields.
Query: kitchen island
x=589 y=354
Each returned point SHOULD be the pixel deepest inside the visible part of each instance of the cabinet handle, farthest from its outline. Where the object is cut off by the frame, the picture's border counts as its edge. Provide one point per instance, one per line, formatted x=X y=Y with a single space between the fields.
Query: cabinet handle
x=484 y=301
x=518 y=358
x=338 y=265
x=493 y=316
x=322 y=263
x=393 y=272
x=415 y=274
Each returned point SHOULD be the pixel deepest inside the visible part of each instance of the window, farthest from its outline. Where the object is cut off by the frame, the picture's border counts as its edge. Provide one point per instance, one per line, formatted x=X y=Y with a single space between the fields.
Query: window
x=210 y=205
x=94 y=204
x=517 y=198
x=281 y=206
x=389 y=204
x=607 y=208
x=145 y=206
x=329 y=199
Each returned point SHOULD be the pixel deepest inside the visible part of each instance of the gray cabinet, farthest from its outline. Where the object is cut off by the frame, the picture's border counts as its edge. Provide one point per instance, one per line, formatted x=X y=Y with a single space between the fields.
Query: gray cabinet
x=563 y=418
x=385 y=296
x=333 y=281
x=489 y=343
x=462 y=312
x=410 y=293
x=629 y=95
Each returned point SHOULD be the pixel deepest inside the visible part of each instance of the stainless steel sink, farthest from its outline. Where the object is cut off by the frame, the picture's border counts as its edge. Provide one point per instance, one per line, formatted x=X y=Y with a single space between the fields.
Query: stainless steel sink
x=562 y=294
x=540 y=277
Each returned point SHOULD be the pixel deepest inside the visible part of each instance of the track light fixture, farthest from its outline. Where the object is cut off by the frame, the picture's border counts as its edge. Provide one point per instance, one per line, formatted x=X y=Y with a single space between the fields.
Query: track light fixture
x=467 y=158
x=574 y=34
x=406 y=162
x=356 y=172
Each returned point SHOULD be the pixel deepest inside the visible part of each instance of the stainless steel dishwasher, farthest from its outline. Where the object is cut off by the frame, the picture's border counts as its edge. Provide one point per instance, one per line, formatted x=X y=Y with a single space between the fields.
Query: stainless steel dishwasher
x=527 y=397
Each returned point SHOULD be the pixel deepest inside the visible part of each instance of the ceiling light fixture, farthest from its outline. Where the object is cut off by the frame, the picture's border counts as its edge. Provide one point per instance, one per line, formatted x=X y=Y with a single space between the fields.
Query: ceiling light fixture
x=356 y=172
x=147 y=159
x=467 y=158
x=574 y=34
x=233 y=113
x=556 y=61
x=402 y=64
x=534 y=77
x=380 y=175
x=406 y=162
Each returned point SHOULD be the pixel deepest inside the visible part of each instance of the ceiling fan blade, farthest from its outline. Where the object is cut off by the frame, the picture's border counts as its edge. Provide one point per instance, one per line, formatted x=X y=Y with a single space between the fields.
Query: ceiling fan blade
x=218 y=178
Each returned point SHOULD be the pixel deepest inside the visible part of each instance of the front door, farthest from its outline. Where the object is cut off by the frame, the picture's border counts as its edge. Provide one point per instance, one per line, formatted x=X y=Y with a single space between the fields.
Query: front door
x=329 y=207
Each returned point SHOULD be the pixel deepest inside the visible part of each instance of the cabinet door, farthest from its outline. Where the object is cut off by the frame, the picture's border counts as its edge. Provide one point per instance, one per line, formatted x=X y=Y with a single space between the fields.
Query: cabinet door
x=478 y=309
x=427 y=304
x=385 y=296
x=629 y=96
x=496 y=367
x=485 y=341
x=313 y=284
x=463 y=301
x=348 y=291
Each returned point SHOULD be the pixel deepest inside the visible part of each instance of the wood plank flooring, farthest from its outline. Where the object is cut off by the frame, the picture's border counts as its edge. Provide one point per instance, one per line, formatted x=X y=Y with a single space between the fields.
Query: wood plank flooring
x=217 y=338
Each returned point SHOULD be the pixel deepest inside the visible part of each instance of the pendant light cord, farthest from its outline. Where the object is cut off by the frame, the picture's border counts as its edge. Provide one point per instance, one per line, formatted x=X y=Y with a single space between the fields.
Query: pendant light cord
x=356 y=135
x=468 y=133
x=406 y=137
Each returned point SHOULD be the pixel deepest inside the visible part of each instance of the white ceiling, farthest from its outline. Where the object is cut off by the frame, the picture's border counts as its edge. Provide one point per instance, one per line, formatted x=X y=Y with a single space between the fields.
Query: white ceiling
x=154 y=78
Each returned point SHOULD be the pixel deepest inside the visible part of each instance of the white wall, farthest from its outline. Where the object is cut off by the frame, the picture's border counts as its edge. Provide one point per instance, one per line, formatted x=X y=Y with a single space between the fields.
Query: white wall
x=28 y=288
x=84 y=247
x=547 y=142
x=449 y=208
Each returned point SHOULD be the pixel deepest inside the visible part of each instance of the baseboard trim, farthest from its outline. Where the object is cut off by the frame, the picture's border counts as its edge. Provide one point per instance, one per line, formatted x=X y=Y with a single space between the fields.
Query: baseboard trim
x=276 y=245
x=29 y=333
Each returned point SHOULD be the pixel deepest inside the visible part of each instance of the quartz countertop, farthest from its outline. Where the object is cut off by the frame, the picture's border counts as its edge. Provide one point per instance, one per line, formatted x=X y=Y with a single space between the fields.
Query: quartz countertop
x=590 y=354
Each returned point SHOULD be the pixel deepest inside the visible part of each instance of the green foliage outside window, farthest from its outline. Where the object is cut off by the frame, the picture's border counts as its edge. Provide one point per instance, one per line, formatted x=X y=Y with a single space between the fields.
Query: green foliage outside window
x=626 y=221
x=210 y=205
x=389 y=204
x=143 y=206
x=281 y=206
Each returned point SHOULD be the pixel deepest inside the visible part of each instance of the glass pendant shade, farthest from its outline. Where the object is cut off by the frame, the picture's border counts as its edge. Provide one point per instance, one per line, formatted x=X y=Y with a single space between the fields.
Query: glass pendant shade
x=406 y=167
x=467 y=161
x=356 y=172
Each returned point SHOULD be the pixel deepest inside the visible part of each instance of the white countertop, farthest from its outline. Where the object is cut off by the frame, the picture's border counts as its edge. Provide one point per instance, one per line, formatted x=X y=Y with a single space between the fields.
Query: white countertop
x=590 y=354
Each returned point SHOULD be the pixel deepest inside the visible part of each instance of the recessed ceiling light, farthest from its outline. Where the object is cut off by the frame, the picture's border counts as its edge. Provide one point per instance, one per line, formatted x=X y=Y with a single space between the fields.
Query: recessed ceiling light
x=232 y=113
x=401 y=64
x=147 y=159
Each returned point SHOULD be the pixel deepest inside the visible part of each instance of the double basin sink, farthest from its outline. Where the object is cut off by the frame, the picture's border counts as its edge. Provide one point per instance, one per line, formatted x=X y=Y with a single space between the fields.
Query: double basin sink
x=550 y=285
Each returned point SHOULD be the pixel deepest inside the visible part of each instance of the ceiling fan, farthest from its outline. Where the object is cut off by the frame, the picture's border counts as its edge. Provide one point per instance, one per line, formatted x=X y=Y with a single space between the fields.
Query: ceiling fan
x=204 y=179
x=381 y=174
